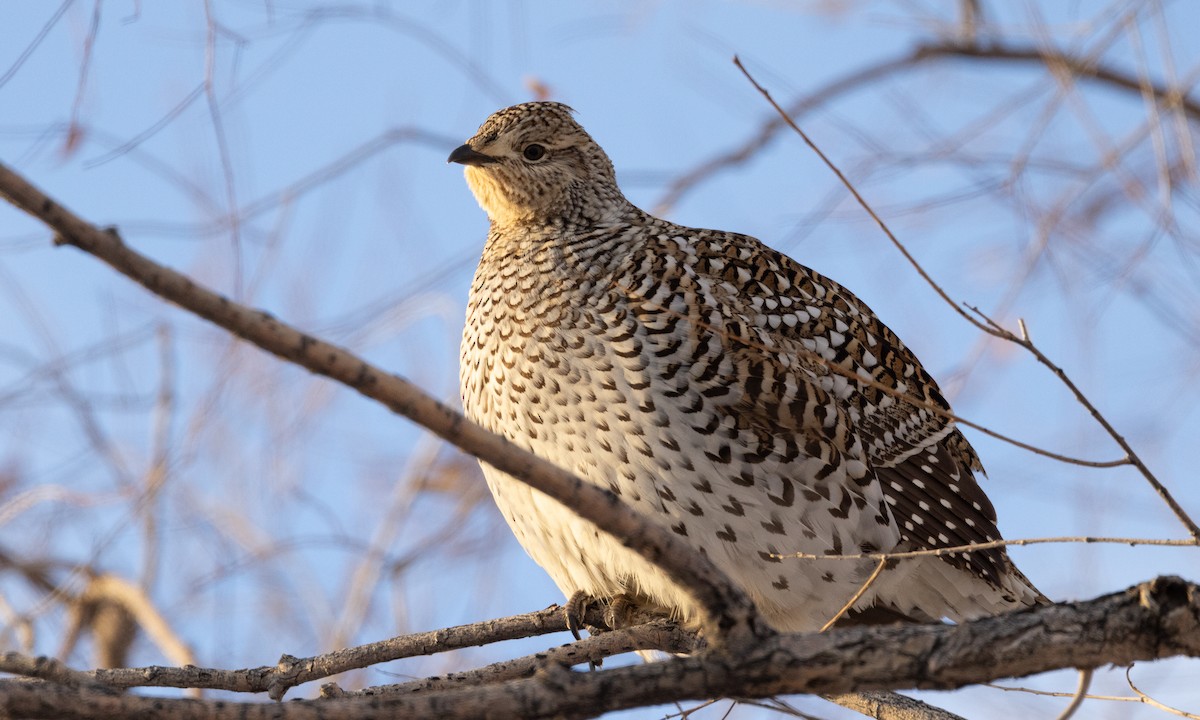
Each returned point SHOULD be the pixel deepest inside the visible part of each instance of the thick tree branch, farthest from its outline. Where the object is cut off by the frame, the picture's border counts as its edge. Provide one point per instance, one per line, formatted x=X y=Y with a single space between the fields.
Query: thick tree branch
x=1153 y=620
x=730 y=615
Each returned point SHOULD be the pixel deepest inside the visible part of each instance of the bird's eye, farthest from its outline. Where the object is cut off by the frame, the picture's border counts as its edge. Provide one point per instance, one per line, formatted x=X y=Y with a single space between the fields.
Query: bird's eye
x=534 y=152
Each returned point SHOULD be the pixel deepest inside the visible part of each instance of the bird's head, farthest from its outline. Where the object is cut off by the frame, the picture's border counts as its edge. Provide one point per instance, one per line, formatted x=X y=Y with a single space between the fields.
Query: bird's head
x=533 y=164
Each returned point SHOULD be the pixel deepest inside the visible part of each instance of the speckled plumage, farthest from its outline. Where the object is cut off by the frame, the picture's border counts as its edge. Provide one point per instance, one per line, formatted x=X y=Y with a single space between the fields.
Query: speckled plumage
x=688 y=371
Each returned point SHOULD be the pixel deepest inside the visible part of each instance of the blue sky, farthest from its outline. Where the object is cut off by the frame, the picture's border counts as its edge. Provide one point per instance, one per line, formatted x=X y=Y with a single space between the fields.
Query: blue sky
x=283 y=487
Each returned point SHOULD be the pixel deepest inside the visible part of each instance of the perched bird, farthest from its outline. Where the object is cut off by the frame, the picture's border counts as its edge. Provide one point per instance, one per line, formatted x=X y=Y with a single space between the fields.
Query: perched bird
x=748 y=403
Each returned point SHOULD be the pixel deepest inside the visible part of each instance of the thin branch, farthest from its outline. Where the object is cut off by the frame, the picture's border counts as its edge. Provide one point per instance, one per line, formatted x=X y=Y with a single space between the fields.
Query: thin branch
x=172 y=114
x=218 y=125
x=292 y=671
x=1183 y=136
x=1085 y=681
x=74 y=130
x=135 y=601
x=1134 y=458
x=156 y=474
x=1050 y=693
x=662 y=635
x=861 y=591
x=866 y=206
x=33 y=44
x=306 y=184
x=1174 y=98
x=987 y=325
x=977 y=547
x=751 y=147
x=729 y=615
x=1154 y=703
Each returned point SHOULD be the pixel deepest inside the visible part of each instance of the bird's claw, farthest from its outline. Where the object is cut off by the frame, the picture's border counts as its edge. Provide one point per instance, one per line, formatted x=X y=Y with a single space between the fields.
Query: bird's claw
x=575 y=610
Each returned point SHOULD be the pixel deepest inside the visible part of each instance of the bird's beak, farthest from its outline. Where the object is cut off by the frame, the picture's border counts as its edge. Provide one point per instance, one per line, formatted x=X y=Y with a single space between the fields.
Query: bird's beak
x=467 y=155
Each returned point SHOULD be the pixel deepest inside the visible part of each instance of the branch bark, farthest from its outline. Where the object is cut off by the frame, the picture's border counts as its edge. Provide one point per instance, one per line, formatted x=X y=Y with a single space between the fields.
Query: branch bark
x=661 y=635
x=291 y=671
x=1149 y=621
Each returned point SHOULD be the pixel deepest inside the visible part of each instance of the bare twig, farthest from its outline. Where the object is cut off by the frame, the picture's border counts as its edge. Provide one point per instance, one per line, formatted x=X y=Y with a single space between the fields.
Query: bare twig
x=656 y=635
x=155 y=475
x=218 y=126
x=293 y=191
x=854 y=191
x=37 y=40
x=858 y=594
x=1174 y=97
x=1085 y=681
x=976 y=547
x=1152 y=702
x=149 y=132
x=985 y=323
x=139 y=605
x=1082 y=399
x=1055 y=694
x=74 y=129
x=1140 y=698
x=751 y=147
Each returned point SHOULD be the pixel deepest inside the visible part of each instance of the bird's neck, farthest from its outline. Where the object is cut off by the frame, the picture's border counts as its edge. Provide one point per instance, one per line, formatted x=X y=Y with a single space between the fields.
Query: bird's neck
x=580 y=220
x=565 y=243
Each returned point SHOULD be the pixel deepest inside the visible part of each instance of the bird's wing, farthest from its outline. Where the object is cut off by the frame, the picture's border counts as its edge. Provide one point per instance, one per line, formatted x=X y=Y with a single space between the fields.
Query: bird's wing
x=798 y=324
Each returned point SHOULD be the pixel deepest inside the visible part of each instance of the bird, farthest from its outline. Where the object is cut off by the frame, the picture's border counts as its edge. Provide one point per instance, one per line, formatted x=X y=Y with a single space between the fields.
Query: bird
x=754 y=407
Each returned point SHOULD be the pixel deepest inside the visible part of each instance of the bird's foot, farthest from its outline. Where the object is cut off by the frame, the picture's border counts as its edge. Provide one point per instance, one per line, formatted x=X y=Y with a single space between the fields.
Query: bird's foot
x=575 y=610
x=617 y=612
x=621 y=612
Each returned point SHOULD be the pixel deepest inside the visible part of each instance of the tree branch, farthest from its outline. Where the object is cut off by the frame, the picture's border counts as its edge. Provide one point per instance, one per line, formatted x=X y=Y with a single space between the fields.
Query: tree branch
x=729 y=614
x=1153 y=620
x=996 y=52
x=661 y=635
x=1085 y=68
x=292 y=671
x=890 y=706
x=983 y=322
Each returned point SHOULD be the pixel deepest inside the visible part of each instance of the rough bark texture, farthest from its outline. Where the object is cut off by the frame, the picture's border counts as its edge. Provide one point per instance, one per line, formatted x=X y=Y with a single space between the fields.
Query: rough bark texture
x=1153 y=620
